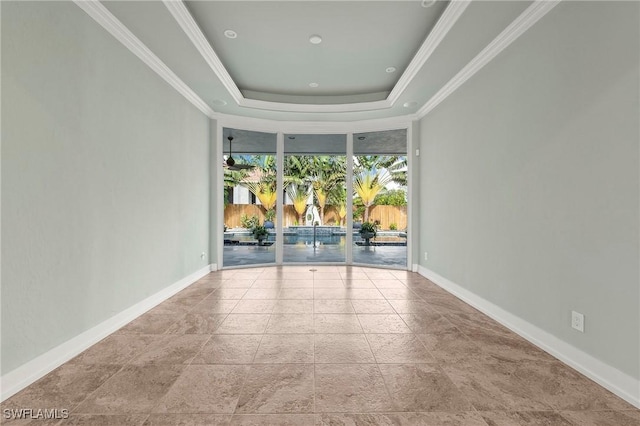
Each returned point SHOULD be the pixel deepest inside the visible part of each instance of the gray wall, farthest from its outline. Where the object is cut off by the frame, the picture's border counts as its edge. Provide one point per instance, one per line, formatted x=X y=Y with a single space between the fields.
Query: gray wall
x=530 y=183
x=105 y=179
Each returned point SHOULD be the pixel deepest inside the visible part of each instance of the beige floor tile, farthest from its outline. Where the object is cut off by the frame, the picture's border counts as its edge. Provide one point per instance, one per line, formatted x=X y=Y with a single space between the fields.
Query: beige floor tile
x=364 y=293
x=150 y=323
x=525 y=418
x=116 y=349
x=491 y=387
x=383 y=323
x=134 y=389
x=428 y=323
x=104 y=420
x=411 y=306
x=244 y=324
x=183 y=419
x=228 y=293
x=178 y=349
x=297 y=283
x=342 y=349
x=205 y=389
x=390 y=283
x=277 y=388
x=330 y=293
x=290 y=323
x=249 y=306
x=63 y=388
x=273 y=420
x=401 y=419
x=261 y=293
x=285 y=348
x=602 y=418
x=372 y=307
x=197 y=323
x=333 y=306
x=238 y=283
x=293 y=307
x=211 y=305
x=563 y=388
x=422 y=387
x=296 y=293
x=352 y=388
x=349 y=283
x=336 y=323
x=335 y=283
x=338 y=345
x=229 y=349
x=398 y=348
x=454 y=347
x=398 y=293
x=506 y=348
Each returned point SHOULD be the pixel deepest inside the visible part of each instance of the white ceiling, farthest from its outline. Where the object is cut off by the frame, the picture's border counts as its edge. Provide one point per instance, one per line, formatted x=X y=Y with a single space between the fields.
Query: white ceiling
x=265 y=72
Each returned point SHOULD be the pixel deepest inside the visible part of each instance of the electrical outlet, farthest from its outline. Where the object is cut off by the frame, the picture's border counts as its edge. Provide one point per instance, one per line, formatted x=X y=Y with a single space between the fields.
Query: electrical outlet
x=426 y=256
x=577 y=321
x=203 y=255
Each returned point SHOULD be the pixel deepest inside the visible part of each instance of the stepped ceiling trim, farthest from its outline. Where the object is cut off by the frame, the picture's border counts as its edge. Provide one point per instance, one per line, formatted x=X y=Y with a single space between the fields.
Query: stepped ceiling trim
x=181 y=14
x=106 y=19
x=510 y=34
x=115 y=27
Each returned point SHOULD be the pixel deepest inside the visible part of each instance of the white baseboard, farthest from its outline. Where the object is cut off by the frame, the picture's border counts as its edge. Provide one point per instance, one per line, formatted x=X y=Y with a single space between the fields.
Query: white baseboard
x=621 y=384
x=16 y=380
x=213 y=267
x=414 y=267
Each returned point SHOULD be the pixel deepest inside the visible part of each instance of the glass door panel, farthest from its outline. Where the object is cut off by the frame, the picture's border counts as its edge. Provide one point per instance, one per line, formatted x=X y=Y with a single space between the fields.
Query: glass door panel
x=314 y=198
x=380 y=198
x=249 y=162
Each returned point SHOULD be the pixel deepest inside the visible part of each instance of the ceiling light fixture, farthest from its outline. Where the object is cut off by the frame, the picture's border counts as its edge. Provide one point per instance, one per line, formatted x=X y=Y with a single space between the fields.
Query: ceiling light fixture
x=219 y=102
x=230 y=34
x=313 y=84
x=315 y=39
x=428 y=3
x=410 y=104
x=391 y=69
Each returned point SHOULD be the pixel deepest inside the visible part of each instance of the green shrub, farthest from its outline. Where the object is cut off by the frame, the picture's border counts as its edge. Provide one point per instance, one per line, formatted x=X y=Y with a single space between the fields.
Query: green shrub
x=249 y=221
x=393 y=227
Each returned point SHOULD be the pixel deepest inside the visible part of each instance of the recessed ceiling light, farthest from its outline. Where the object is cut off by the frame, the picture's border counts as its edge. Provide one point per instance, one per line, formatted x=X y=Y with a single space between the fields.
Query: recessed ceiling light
x=360 y=138
x=315 y=39
x=428 y=3
x=410 y=104
x=391 y=69
x=230 y=34
x=313 y=84
x=219 y=102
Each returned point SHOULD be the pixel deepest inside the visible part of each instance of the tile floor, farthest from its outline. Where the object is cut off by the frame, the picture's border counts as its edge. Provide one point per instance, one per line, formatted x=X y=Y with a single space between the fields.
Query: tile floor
x=335 y=346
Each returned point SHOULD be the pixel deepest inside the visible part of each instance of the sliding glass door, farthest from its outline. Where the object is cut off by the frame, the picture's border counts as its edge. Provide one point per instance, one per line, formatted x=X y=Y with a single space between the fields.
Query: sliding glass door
x=380 y=198
x=250 y=196
x=330 y=208
x=315 y=198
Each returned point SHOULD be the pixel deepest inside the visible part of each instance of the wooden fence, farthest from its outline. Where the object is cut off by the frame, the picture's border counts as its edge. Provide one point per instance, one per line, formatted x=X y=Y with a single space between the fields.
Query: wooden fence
x=386 y=215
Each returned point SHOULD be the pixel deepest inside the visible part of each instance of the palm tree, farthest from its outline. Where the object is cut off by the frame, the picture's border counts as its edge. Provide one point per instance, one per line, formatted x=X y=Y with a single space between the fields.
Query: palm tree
x=367 y=185
x=262 y=184
x=299 y=195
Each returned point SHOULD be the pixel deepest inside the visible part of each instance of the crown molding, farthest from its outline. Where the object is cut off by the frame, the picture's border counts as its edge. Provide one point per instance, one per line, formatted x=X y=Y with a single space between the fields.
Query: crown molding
x=316 y=127
x=510 y=34
x=109 y=22
x=184 y=19
x=450 y=16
